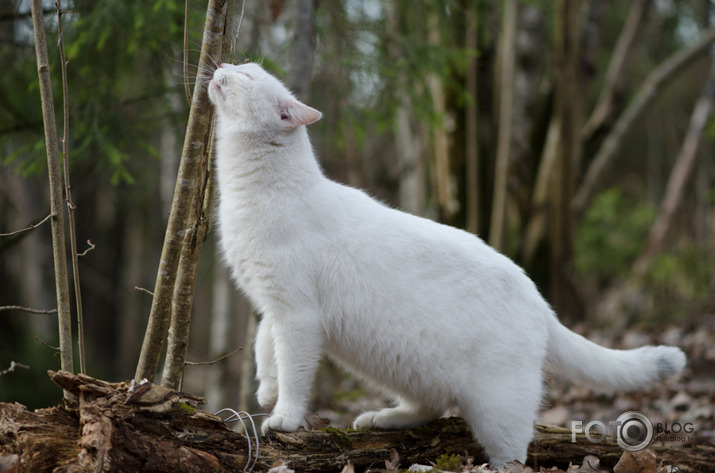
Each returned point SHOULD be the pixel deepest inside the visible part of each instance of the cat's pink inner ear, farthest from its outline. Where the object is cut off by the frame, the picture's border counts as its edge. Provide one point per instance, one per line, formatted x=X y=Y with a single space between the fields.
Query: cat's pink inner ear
x=295 y=113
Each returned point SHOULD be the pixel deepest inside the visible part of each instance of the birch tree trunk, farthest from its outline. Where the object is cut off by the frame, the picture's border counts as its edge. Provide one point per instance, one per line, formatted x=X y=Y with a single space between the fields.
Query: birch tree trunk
x=56 y=208
x=189 y=180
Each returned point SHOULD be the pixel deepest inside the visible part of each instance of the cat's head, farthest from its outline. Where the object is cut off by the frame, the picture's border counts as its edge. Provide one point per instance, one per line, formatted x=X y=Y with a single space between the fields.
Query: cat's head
x=249 y=99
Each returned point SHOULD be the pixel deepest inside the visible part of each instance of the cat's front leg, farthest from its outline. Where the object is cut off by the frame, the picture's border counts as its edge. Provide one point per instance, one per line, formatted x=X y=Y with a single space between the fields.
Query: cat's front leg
x=298 y=342
x=266 y=370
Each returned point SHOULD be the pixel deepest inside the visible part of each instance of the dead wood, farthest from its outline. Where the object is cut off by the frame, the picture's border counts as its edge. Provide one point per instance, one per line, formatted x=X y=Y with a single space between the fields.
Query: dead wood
x=120 y=427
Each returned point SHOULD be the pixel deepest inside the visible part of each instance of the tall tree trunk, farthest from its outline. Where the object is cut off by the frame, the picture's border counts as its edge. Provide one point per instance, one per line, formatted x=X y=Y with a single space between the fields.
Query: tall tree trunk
x=302 y=66
x=471 y=144
x=612 y=94
x=187 y=187
x=198 y=219
x=505 y=79
x=567 y=101
x=443 y=180
x=59 y=248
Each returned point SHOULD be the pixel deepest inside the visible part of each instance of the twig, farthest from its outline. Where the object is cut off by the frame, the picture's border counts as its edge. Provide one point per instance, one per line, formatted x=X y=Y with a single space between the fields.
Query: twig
x=186 y=52
x=68 y=195
x=197 y=363
x=91 y=247
x=234 y=41
x=29 y=227
x=47 y=344
x=27 y=309
x=12 y=367
x=145 y=290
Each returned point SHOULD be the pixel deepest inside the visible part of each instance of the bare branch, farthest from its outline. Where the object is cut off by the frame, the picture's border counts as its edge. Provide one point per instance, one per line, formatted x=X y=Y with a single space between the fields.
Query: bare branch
x=91 y=247
x=198 y=363
x=28 y=228
x=659 y=78
x=186 y=52
x=145 y=290
x=12 y=367
x=47 y=344
x=27 y=309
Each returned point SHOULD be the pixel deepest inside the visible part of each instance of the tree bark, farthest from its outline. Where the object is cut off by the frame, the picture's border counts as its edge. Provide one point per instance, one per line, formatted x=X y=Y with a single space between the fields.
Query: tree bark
x=119 y=427
x=59 y=247
x=188 y=183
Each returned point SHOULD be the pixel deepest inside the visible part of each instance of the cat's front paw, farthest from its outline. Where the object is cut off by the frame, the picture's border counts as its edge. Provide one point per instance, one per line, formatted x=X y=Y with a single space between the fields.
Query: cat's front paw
x=365 y=420
x=267 y=392
x=281 y=423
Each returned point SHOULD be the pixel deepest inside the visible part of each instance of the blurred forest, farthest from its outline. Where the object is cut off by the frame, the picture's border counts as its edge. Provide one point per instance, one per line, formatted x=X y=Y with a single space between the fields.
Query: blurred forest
x=575 y=136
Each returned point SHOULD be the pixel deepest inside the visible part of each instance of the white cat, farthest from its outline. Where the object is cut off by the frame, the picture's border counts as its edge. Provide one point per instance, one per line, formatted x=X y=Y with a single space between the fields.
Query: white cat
x=428 y=314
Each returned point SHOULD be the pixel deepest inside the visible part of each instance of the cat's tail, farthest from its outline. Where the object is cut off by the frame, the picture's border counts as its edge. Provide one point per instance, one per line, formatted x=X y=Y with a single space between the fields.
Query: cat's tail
x=605 y=369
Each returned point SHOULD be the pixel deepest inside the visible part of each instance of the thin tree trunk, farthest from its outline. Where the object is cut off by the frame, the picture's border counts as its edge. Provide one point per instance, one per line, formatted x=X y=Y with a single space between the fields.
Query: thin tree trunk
x=654 y=83
x=614 y=85
x=683 y=168
x=507 y=58
x=187 y=186
x=443 y=183
x=567 y=153
x=198 y=219
x=301 y=69
x=53 y=167
x=472 y=122
x=68 y=194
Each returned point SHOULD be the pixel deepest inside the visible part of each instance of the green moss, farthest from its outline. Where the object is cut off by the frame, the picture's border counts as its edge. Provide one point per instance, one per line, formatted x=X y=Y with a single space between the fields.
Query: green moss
x=449 y=463
x=339 y=437
x=188 y=409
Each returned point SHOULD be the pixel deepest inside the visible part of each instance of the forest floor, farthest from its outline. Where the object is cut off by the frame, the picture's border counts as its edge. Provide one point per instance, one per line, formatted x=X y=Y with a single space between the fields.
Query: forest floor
x=684 y=405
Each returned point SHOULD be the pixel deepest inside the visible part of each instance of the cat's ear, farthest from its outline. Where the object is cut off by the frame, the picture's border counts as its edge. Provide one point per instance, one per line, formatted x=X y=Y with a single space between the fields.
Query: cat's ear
x=294 y=113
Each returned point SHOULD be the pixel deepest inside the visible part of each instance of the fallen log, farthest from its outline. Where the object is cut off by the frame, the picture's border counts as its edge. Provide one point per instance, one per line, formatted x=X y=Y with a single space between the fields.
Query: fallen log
x=142 y=427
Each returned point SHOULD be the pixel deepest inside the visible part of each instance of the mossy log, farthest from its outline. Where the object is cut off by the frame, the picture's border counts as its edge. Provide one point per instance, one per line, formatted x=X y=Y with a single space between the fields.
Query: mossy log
x=122 y=427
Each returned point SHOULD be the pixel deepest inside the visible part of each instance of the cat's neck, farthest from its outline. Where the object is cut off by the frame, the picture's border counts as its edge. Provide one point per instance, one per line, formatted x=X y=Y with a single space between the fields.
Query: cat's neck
x=251 y=163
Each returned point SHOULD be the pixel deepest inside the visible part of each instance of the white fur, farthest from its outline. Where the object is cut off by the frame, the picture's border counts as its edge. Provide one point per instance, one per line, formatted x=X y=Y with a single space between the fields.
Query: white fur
x=426 y=313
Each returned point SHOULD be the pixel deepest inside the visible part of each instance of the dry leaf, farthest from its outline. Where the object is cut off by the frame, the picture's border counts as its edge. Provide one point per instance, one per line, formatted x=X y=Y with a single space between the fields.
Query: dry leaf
x=393 y=464
x=637 y=462
x=349 y=468
x=9 y=463
x=517 y=467
x=317 y=422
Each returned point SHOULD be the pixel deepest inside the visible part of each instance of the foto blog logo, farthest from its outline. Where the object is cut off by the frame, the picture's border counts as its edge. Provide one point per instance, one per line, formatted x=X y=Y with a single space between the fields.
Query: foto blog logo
x=632 y=431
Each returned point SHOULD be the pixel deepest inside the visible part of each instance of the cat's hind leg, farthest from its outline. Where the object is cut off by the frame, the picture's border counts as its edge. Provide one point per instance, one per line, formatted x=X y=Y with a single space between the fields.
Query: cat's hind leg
x=501 y=413
x=406 y=414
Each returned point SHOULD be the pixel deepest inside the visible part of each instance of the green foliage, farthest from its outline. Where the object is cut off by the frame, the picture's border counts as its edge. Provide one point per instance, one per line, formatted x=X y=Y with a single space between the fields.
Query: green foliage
x=119 y=58
x=611 y=235
x=448 y=462
x=682 y=281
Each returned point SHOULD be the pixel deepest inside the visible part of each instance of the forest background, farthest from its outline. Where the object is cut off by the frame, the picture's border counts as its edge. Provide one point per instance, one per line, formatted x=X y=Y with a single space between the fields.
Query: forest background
x=573 y=136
